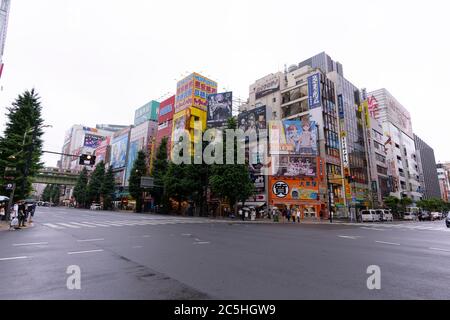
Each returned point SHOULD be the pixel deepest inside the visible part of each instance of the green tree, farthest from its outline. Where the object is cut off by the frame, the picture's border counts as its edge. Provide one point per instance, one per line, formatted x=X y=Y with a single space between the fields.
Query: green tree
x=160 y=167
x=46 y=194
x=21 y=144
x=80 y=190
x=107 y=189
x=176 y=185
x=231 y=181
x=95 y=183
x=405 y=202
x=55 y=194
x=139 y=170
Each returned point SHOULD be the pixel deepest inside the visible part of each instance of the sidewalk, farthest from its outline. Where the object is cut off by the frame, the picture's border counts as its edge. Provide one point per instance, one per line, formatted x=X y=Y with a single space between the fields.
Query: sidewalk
x=4 y=226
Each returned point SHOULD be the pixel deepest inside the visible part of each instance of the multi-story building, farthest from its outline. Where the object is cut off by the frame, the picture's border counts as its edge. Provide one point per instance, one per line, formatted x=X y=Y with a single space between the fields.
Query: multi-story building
x=444 y=181
x=165 y=122
x=4 y=14
x=352 y=135
x=378 y=167
x=299 y=107
x=79 y=140
x=147 y=112
x=403 y=167
x=191 y=107
x=427 y=169
x=110 y=127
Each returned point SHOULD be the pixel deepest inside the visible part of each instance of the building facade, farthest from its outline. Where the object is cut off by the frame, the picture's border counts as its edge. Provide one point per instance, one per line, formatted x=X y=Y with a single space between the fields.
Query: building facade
x=4 y=15
x=402 y=159
x=443 y=172
x=427 y=169
x=165 y=122
x=147 y=112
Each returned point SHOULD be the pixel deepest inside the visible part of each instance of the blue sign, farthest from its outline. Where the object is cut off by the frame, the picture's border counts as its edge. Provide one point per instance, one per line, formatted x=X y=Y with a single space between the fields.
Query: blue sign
x=341 y=106
x=315 y=99
x=165 y=110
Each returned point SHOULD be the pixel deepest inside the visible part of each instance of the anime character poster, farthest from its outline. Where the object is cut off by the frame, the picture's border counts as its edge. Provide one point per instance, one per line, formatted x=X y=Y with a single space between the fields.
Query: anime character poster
x=301 y=136
x=296 y=166
x=219 y=109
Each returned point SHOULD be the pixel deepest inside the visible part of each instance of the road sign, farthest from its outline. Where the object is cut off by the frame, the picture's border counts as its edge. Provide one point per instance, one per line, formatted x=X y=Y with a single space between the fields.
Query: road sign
x=9 y=186
x=147 y=182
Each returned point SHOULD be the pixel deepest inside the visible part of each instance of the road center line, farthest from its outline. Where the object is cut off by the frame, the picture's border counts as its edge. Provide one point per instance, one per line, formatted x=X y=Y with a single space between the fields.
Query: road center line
x=367 y=228
x=389 y=243
x=91 y=240
x=202 y=242
x=29 y=244
x=12 y=258
x=89 y=251
x=439 y=249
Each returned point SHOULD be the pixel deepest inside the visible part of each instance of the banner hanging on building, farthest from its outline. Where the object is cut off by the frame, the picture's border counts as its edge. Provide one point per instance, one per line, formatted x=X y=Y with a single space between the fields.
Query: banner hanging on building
x=314 y=95
x=219 y=109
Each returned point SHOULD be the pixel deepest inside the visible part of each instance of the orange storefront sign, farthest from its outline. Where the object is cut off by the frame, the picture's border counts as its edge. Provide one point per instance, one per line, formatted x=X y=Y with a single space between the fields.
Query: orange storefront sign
x=293 y=190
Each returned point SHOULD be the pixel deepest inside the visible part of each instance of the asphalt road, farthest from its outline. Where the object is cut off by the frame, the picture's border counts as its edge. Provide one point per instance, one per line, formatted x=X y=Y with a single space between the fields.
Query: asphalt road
x=136 y=256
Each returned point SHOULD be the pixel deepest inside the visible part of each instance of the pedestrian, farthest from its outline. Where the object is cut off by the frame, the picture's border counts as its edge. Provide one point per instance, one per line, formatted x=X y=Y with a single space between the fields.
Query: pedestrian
x=21 y=214
x=298 y=215
x=288 y=214
x=32 y=209
x=246 y=214
x=241 y=214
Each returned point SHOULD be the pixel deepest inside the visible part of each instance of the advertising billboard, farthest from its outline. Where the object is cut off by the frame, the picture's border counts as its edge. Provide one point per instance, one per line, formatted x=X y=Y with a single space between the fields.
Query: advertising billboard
x=119 y=151
x=253 y=120
x=288 y=190
x=101 y=150
x=219 y=109
x=92 y=141
x=295 y=166
x=295 y=137
x=132 y=155
x=179 y=127
x=314 y=95
x=193 y=91
x=166 y=110
x=267 y=86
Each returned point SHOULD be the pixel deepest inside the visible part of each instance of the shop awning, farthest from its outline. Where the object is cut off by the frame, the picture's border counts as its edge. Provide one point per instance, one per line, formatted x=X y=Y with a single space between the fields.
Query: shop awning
x=253 y=203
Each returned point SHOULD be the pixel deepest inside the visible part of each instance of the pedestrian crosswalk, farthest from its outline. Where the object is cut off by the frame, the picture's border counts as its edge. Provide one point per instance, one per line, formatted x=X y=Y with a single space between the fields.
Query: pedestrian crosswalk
x=122 y=223
x=434 y=227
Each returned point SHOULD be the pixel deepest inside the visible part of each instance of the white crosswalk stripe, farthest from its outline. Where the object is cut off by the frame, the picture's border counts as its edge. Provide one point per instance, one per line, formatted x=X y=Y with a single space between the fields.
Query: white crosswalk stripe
x=399 y=226
x=123 y=223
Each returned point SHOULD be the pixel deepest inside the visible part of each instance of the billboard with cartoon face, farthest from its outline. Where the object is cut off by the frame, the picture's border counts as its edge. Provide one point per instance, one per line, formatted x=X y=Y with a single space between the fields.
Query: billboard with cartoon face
x=295 y=137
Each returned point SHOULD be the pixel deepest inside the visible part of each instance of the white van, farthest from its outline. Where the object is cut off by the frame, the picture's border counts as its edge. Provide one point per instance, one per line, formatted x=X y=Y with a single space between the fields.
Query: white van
x=385 y=215
x=370 y=215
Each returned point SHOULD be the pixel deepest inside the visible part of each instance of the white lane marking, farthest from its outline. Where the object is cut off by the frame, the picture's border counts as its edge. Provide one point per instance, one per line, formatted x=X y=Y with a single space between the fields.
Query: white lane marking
x=68 y=225
x=146 y=236
x=51 y=225
x=29 y=244
x=91 y=240
x=137 y=247
x=202 y=242
x=112 y=224
x=186 y=234
x=96 y=224
x=388 y=243
x=367 y=228
x=82 y=225
x=88 y=251
x=13 y=258
x=348 y=237
x=439 y=249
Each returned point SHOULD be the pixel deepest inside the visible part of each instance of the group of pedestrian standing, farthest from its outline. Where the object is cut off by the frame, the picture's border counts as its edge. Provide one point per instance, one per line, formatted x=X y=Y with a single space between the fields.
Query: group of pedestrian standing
x=293 y=213
x=22 y=212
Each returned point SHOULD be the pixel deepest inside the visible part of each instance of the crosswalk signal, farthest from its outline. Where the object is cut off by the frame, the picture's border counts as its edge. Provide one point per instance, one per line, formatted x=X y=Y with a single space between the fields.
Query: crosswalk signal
x=87 y=160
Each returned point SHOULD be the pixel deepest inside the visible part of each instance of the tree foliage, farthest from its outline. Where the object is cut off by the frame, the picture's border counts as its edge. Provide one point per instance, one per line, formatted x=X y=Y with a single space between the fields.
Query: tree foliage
x=160 y=166
x=21 y=145
x=139 y=170
x=107 y=189
x=95 y=183
x=80 y=190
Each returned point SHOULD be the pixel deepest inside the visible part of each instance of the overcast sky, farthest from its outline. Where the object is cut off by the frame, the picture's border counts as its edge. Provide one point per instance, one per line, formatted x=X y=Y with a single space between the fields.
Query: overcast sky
x=96 y=61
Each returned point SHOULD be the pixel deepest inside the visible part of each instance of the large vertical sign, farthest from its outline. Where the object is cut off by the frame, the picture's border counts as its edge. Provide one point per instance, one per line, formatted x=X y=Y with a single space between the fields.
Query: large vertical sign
x=314 y=95
x=219 y=109
x=341 y=106
x=345 y=161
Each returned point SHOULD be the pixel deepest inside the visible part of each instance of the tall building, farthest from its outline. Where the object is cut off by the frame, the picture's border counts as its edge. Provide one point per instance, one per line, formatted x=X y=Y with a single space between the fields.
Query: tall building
x=352 y=134
x=110 y=127
x=443 y=172
x=165 y=122
x=402 y=159
x=79 y=140
x=147 y=112
x=299 y=107
x=4 y=15
x=427 y=169
x=191 y=106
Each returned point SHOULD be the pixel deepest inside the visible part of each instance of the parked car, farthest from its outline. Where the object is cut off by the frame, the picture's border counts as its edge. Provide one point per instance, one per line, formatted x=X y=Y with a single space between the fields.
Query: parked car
x=370 y=215
x=96 y=206
x=436 y=216
x=385 y=215
x=447 y=221
x=410 y=216
x=424 y=216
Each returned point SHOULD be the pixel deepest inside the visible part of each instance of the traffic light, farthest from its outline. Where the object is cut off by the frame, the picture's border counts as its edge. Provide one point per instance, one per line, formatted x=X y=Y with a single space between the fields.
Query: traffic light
x=87 y=160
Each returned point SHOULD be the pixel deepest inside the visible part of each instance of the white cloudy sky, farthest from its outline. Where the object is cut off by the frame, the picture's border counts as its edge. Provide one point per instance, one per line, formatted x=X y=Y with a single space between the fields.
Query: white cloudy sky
x=96 y=61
